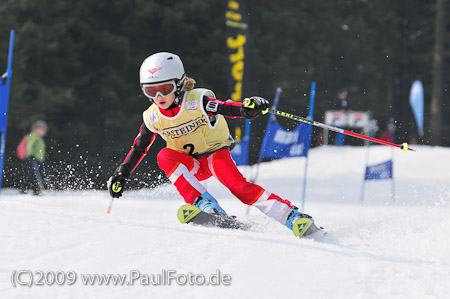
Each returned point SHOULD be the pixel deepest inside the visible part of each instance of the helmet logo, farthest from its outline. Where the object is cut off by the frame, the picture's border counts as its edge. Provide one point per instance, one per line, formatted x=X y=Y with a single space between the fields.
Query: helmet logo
x=154 y=70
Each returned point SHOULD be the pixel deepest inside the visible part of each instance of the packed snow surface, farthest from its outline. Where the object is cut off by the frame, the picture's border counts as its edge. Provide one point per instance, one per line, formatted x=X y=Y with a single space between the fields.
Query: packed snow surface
x=383 y=247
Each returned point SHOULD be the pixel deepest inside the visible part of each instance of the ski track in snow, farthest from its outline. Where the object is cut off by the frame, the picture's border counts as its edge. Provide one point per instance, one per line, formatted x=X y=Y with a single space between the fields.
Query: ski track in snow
x=376 y=249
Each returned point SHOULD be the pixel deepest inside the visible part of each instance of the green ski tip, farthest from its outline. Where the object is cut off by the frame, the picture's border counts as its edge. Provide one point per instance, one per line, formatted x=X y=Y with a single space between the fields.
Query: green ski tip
x=301 y=226
x=187 y=212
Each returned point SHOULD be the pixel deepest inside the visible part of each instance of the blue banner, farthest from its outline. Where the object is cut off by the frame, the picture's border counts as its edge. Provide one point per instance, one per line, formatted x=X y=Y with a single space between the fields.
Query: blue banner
x=379 y=171
x=240 y=153
x=242 y=145
x=236 y=41
x=282 y=143
x=416 y=101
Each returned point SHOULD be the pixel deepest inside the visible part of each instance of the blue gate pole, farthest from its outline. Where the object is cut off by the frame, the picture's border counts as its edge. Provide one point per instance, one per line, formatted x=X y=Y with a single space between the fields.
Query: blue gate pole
x=4 y=101
x=312 y=97
x=264 y=143
x=248 y=124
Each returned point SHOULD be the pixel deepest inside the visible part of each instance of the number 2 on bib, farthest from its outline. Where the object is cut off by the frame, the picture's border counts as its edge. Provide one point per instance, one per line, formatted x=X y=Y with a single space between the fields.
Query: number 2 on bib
x=191 y=148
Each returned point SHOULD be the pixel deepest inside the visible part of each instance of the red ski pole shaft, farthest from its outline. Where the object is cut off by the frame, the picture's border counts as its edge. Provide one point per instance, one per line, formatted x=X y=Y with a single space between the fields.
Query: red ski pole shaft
x=401 y=146
x=110 y=205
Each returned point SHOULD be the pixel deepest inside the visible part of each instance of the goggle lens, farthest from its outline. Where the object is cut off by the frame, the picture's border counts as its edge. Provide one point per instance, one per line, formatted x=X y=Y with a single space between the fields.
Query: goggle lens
x=165 y=89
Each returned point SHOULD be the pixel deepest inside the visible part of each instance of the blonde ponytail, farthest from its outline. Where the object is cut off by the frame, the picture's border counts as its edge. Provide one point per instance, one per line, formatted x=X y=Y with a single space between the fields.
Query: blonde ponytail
x=189 y=84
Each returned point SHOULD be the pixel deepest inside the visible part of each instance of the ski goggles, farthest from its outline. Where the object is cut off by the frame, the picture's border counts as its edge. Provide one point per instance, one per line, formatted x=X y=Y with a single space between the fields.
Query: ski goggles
x=163 y=89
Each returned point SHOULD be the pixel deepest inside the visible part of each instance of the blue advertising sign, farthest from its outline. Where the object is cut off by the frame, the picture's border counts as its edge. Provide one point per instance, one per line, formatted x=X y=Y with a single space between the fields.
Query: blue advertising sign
x=282 y=143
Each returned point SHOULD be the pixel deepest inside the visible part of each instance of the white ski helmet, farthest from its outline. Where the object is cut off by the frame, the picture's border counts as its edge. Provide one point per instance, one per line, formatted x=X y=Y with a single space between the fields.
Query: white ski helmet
x=162 y=67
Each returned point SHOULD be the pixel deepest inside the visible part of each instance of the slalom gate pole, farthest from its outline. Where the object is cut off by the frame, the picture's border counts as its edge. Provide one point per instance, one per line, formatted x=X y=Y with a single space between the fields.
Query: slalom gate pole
x=404 y=146
x=5 y=84
x=264 y=142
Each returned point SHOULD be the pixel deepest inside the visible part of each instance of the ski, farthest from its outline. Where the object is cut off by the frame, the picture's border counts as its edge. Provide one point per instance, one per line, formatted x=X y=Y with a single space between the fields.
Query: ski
x=305 y=227
x=192 y=214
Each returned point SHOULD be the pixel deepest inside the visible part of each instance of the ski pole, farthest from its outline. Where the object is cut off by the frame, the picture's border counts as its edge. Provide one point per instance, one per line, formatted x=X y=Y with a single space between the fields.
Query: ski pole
x=404 y=146
x=116 y=187
x=110 y=205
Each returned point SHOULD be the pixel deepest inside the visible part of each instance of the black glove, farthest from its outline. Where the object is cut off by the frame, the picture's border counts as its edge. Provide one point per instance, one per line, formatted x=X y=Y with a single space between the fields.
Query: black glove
x=117 y=181
x=253 y=107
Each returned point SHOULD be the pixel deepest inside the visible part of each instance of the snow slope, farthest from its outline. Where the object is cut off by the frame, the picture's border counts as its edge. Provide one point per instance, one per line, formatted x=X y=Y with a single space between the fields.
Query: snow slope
x=381 y=248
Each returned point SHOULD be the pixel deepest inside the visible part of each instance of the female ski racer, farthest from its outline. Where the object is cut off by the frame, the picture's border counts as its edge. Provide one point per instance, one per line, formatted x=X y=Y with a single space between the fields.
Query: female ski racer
x=192 y=123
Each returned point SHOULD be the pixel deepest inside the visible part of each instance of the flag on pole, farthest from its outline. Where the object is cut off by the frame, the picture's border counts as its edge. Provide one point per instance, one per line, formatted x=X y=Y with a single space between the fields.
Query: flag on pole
x=282 y=143
x=5 y=83
x=379 y=171
x=241 y=148
x=416 y=101
x=272 y=119
x=237 y=36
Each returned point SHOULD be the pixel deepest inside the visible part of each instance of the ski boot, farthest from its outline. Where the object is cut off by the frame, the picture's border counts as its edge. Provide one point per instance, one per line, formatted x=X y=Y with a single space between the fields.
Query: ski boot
x=299 y=223
x=209 y=204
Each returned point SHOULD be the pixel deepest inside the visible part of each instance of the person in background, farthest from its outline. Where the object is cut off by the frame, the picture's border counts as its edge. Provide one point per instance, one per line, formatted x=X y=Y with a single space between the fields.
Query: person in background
x=31 y=151
x=341 y=103
x=389 y=134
